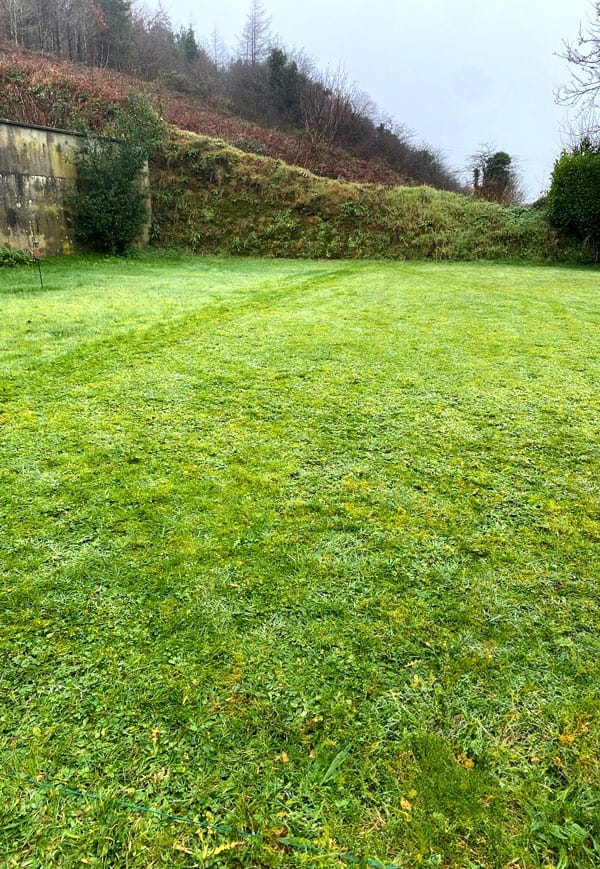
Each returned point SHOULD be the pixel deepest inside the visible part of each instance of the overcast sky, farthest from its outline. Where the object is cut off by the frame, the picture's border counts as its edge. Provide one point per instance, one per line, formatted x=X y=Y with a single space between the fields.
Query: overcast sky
x=458 y=73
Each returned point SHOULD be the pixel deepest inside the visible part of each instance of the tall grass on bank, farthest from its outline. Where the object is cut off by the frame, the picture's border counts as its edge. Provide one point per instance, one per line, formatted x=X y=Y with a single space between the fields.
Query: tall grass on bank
x=211 y=198
x=309 y=550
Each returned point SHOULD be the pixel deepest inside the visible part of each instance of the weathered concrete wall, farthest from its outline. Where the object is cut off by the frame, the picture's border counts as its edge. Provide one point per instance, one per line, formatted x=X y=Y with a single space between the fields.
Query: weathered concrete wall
x=37 y=180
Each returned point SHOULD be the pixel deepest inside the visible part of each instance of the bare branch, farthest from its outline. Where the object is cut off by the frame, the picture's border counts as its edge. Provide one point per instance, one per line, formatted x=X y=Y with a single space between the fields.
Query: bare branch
x=583 y=91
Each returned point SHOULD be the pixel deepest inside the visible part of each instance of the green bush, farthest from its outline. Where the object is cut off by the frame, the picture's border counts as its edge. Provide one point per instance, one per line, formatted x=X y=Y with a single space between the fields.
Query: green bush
x=11 y=257
x=110 y=202
x=249 y=145
x=574 y=197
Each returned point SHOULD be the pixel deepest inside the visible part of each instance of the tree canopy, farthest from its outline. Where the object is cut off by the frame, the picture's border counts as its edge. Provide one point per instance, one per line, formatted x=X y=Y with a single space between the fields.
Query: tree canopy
x=495 y=176
x=259 y=81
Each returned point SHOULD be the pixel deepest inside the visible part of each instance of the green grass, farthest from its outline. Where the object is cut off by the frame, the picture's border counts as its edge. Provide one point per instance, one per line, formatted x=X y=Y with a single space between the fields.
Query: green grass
x=210 y=198
x=304 y=549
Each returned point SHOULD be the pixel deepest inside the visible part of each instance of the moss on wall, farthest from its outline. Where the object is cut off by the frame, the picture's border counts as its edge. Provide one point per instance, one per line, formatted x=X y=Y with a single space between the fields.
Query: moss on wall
x=37 y=182
x=37 y=178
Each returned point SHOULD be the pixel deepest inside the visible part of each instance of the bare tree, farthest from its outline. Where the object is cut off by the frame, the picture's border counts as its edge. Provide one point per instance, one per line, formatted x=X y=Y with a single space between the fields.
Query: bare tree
x=583 y=92
x=96 y=32
x=333 y=105
x=255 y=39
x=155 y=44
x=17 y=19
x=216 y=50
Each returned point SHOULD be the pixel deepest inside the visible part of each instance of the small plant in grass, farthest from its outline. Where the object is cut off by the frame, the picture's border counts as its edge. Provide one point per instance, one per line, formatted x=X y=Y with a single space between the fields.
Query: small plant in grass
x=110 y=205
x=11 y=257
x=249 y=145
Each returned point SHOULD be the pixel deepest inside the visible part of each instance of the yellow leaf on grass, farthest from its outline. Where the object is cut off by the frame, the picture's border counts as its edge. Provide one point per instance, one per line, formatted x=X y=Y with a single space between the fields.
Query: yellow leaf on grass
x=177 y=846
x=220 y=849
x=570 y=736
x=465 y=762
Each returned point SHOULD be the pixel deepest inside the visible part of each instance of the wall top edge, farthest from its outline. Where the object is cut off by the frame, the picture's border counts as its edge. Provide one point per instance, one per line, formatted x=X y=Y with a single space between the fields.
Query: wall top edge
x=62 y=132
x=40 y=127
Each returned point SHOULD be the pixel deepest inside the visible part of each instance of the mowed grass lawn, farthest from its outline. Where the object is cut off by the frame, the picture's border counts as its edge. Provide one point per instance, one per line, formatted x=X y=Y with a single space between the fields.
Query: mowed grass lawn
x=303 y=550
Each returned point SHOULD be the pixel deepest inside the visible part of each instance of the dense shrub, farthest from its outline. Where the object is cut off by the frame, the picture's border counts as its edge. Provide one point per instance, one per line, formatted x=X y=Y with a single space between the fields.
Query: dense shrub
x=574 y=197
x=110 y=204
x=11 y=257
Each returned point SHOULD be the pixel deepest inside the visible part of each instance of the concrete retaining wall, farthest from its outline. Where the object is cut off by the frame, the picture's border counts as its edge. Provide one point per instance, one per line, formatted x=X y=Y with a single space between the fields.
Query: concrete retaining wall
x=37 y=180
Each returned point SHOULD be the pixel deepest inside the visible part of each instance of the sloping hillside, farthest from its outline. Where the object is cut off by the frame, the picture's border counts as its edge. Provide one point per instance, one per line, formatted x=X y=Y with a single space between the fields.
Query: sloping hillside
x=45 y=90
x=211 y=198
x=289 y=200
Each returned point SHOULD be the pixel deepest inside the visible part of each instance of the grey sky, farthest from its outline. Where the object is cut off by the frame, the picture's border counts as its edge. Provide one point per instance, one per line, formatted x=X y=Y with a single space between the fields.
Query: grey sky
x=458 y=73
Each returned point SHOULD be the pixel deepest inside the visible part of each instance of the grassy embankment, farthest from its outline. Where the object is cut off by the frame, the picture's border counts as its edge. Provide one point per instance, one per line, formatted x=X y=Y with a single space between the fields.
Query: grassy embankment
x=211 y=198
x=307 y=549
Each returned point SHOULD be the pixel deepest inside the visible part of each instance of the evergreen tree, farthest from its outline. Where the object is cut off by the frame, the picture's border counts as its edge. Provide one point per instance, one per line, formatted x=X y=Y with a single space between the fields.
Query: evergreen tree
x=574 y=196
x=110 y=203
x=114 y=39
x=496 y=177
x=186 y=40
x=285 y=86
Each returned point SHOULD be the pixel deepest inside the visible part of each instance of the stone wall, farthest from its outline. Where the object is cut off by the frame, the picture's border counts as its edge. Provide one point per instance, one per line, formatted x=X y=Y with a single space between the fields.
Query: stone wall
x=37 y=180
